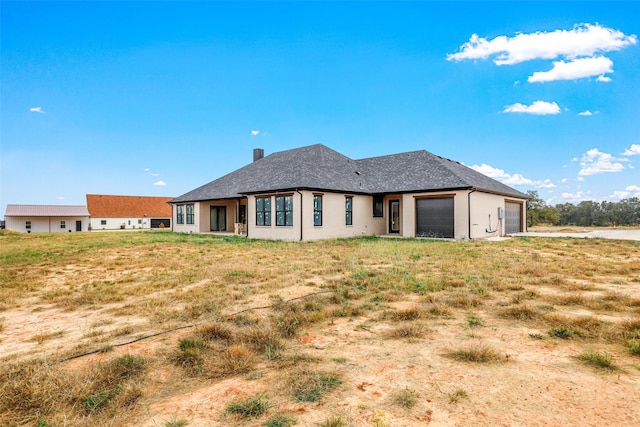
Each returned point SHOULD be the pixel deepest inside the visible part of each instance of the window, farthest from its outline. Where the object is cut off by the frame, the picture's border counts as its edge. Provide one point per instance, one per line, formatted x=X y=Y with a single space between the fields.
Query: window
x=103 y=222
x=284 y=210
x=263 y=211
x=348 y=208
x=139 y=221
x=27 y=225
x=190 y=214
x=180 y=214
x=243 y=214
x=378 y=206
x=317 y=210
x=63 y=224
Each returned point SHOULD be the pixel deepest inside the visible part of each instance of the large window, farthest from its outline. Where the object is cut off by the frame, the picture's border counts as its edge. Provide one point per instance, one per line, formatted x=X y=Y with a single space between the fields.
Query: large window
x=179 y=214
x=284 y=210
x=317 y=210
x=263 y=211
x=190 y=214
x=348 y=209
x=378 y=206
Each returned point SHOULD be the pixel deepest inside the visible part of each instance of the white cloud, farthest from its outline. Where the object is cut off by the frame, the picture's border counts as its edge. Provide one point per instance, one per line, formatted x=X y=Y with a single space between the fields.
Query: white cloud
x=508 y=179
x=540 y=108
x=255 y=132
x=147 y=169
x=576 y=197
x=160 y=183
x=155 y=174
x=595 y=162
x=583 y=40
x=629 y=191
x=603 y=79
x=634 y=150
x=563 y=180
x=37 y=110
x=588 y=113
x=577 y=69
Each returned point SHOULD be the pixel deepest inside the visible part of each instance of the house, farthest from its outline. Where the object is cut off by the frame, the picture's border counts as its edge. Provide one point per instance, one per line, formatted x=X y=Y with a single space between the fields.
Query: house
x=46 y=218
x=128 y=212
x=315 y=192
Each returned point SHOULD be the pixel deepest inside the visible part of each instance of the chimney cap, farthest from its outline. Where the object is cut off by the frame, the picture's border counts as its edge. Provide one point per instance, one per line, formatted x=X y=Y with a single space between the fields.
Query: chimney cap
x=258 y=153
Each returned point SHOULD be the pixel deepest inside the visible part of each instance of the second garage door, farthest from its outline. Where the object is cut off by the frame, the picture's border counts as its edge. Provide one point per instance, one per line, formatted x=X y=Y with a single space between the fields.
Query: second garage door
x=513 y=217
x=434 y=217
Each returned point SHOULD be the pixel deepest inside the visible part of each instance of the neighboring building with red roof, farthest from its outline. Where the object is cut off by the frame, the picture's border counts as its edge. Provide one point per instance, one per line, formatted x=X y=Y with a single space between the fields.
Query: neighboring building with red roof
x=46 y=218
x=128 y=212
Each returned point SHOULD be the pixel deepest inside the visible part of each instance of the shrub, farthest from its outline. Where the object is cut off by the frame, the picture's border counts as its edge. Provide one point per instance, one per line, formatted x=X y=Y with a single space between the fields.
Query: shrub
x=405 y=398
x=478 y=353
x=603 y=361
x=253 y=407
x=310 y=386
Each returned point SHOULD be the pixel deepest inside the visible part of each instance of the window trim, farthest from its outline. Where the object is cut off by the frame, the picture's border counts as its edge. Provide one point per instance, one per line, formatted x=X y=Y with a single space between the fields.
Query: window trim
x=284 y=211
x=266 y=219
x=316 y=211
x=348 y=213
x=180 y=214
x=378 y=213
x=190 y=214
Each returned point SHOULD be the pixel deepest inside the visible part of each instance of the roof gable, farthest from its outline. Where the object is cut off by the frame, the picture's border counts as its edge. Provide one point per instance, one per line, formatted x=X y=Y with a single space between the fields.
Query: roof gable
x=107 y=206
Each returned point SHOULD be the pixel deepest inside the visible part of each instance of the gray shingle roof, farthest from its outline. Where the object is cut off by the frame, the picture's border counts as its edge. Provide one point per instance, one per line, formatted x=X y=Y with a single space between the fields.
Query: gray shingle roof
x=319 y=167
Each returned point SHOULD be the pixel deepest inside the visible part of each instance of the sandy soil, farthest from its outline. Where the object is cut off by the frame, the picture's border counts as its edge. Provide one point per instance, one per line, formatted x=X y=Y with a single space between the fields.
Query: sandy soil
x=536 y=382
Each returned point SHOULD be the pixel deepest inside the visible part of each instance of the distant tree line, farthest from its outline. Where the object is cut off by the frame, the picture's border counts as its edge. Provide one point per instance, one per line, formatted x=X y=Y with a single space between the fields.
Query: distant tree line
x=585 y=213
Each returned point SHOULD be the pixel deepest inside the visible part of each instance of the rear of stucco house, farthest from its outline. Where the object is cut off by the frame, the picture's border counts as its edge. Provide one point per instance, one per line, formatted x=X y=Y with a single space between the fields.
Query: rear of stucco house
x=314 y=192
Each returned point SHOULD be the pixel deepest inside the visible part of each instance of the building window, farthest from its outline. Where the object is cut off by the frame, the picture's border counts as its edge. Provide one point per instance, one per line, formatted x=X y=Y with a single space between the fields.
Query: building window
x=378 y=206
x=317 y=210
x=190 y=214
x=139 y=221
x=63 y=224
x=263 y=211
x=103 y=222
x=243 y=214
x=180 y=214
x=284 y=210
x=348 y=208
x=27 y=225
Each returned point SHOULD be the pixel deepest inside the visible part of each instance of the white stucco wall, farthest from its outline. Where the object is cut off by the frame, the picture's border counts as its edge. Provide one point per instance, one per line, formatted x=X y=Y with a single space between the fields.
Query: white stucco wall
x=117 y=223
x=45 y=224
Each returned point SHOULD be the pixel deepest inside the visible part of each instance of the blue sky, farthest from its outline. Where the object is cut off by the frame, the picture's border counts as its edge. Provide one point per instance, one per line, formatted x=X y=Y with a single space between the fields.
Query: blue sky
x=145 y=98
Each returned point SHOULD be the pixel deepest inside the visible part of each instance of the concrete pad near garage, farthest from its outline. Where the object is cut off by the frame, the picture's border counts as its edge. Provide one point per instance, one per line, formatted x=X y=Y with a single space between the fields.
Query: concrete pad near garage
x=617 y=234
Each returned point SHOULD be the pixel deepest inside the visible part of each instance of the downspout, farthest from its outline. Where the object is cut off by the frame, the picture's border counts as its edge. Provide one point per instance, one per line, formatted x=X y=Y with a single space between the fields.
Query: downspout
x=246 y=215
x=301 y=216
x=473 y=190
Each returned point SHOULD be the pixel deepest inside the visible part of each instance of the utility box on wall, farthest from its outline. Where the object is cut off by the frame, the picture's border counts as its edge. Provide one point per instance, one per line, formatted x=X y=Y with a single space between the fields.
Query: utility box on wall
x=500 y=213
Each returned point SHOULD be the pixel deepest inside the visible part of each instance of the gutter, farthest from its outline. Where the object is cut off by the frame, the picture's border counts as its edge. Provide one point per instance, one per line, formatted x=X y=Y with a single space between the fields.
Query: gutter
x=246 y=215
x=301 y=216
x=473 y=190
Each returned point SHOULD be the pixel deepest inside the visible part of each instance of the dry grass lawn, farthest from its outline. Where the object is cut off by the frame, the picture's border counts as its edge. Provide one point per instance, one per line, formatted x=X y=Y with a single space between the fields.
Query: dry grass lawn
x=161 y=329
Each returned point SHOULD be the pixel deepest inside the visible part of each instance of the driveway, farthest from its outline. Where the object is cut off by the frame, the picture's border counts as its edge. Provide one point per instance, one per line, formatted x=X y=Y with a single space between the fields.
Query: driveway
x=599 y=234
